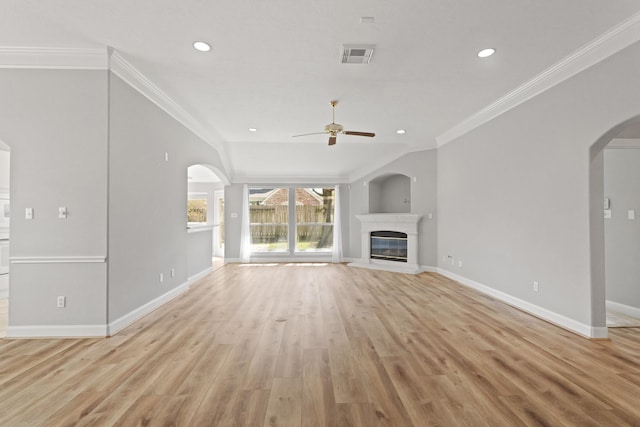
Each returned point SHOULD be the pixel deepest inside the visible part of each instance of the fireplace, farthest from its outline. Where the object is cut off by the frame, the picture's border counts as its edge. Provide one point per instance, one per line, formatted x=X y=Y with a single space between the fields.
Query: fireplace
x=388 y=245
x=389 y=242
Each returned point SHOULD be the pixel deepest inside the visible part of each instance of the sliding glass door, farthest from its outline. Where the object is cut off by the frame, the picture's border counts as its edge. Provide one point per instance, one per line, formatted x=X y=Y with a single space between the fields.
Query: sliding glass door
x=312 y=210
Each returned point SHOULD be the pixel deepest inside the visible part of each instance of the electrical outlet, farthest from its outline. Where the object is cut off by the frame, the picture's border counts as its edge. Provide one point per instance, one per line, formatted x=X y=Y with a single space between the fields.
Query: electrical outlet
x=161 y=277
x=173 y=272
x=62 y=302
x=459 y=263
x=536 y=287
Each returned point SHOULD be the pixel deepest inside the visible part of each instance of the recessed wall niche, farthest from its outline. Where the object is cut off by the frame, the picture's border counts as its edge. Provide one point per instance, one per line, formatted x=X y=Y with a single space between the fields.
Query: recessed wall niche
x=390 y=193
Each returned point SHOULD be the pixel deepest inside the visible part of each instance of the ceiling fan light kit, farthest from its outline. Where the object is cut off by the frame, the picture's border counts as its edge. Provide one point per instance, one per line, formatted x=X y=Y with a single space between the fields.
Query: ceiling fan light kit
x=333 y=128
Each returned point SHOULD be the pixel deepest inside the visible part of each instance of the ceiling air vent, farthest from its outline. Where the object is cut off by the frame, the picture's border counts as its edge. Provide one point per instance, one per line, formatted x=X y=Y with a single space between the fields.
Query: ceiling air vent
x=357 y=53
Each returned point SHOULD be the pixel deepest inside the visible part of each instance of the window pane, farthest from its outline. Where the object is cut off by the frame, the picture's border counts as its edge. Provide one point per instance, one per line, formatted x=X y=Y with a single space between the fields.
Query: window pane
x=269 y=218
x=196 y=207
x=314 y=219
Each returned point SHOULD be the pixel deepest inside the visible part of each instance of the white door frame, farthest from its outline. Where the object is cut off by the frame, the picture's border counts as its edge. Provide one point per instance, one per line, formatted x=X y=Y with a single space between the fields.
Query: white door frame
x=218 y=195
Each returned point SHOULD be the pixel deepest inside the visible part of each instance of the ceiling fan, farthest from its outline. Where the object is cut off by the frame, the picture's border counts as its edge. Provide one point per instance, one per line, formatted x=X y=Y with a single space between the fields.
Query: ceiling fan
x=333 y=129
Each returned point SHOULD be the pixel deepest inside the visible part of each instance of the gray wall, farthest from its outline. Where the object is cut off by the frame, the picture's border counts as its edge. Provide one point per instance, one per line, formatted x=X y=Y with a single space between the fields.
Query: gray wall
x=514 y=194
x=232 y=226
x=622 y=236
x=395 y=194
x=55 y=122
x=87 y=141
x=421 y=165
x=5 y=162
x=147 y=198
x=199 y=248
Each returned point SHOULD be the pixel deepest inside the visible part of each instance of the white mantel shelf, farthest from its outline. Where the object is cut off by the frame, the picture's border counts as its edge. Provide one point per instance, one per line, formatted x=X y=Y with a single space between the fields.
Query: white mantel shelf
x=402 y=223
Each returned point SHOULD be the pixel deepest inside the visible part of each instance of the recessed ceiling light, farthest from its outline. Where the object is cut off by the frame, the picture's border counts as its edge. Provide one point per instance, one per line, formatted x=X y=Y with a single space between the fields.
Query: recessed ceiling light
x=202 y=46
x=486 y=52
x=400 y=131
x=253 y=130
x=367 y=20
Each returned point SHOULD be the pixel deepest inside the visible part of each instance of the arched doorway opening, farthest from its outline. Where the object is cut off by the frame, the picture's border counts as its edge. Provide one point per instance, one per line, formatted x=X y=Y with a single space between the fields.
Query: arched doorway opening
x=614 y=227
x=5 y=161
x=205 y=217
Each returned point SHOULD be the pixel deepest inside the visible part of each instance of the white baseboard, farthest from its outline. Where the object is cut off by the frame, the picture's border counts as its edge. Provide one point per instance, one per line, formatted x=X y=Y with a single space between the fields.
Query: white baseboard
x=57 y=331
x=231 y=260
x=143 y=310
x=428 y=269
x=550 y=316
x=623 y=308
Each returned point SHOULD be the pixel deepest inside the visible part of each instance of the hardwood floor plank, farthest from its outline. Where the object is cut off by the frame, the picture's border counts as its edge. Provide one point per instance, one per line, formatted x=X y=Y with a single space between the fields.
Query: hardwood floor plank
x=354 y=415
x=318 y=402
x=386 y=403
x=289 y=363
x=346 y=375
x=285 y=403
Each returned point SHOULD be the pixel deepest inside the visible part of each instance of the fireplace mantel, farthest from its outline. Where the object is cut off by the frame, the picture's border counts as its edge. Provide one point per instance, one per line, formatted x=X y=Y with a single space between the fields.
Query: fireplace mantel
x=403 y=223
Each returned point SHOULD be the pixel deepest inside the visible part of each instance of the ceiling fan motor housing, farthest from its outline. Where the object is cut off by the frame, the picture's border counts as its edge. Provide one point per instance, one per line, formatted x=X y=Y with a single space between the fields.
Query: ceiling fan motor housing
x=333 y=128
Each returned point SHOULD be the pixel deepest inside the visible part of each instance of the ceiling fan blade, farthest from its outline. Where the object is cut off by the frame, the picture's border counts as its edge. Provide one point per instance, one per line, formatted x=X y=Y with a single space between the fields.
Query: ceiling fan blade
x=351 y=132
x=307 y=134
x=332 y=140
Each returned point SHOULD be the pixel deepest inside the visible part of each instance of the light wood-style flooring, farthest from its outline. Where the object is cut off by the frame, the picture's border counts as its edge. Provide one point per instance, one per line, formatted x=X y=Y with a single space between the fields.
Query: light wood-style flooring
x=616 y=319
x=305 y=345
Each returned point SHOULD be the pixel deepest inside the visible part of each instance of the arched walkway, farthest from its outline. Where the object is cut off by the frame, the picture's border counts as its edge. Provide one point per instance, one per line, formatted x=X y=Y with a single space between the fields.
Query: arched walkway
x=596 y=222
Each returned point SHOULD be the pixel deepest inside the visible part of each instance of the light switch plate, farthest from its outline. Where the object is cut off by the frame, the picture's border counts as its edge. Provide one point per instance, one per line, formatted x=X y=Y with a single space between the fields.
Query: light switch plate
x=607 y=214
x=28 y=213
x=631 y=214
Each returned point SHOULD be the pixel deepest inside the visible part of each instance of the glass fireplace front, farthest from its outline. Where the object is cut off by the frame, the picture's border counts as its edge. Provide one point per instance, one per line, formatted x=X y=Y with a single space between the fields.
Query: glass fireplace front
x=389 y=245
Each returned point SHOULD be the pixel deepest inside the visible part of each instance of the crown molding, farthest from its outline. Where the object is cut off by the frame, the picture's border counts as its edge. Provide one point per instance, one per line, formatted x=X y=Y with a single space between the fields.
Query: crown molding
x=54 y=58
x=134 y=78
x=609 y=43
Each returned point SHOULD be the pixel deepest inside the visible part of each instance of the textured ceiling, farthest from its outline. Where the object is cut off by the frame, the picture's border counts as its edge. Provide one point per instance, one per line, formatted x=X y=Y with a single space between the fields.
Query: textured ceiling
x=275 y=65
